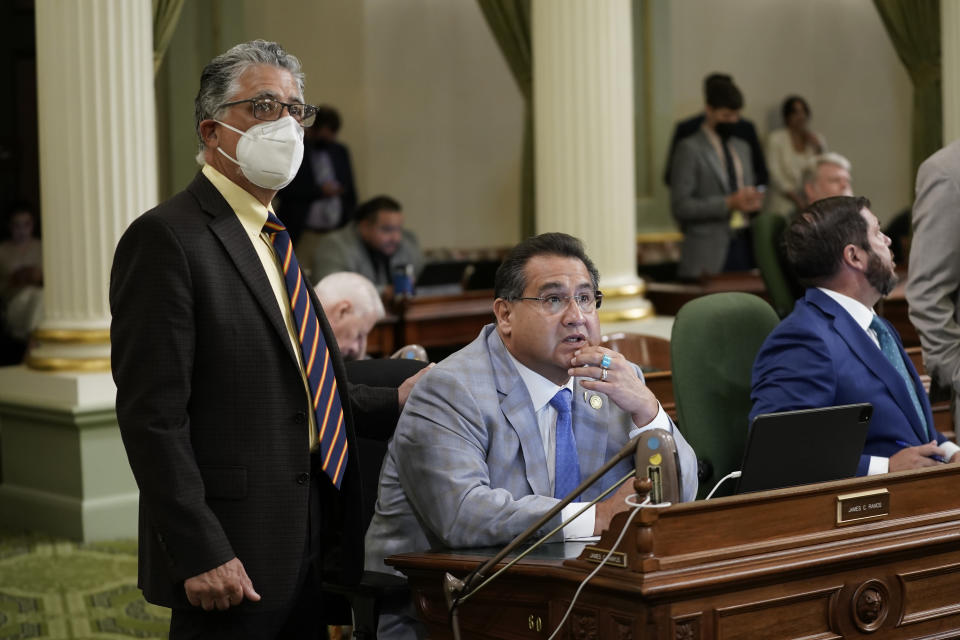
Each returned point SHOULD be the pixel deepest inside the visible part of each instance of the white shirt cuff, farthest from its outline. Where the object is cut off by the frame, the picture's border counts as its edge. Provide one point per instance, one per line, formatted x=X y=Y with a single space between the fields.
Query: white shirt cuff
x=878 y=465
x=660 y=421
x=949 y=448
x=583 y=526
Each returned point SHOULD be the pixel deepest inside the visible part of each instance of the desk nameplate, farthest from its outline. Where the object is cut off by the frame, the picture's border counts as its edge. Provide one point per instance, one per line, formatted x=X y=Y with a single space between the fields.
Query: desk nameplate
x=861 y=506
x=596 y=556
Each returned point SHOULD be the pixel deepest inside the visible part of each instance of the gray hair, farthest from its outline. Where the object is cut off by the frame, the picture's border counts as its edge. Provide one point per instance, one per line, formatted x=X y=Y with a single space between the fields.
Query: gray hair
x=511 y=279
x=809 y=175
x=218 y=82
x=346 y=285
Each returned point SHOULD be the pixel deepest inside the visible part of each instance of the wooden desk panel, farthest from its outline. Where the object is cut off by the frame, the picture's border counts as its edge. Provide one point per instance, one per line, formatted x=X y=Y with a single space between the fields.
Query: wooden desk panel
x=773 y=564
x=445 y=321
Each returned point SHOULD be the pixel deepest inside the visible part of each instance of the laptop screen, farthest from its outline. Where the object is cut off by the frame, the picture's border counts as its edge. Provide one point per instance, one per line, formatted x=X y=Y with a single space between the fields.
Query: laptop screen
x=802 y=447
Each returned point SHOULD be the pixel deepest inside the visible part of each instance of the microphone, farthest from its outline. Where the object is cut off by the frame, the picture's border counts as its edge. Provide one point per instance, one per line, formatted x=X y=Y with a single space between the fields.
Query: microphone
x=655 y=453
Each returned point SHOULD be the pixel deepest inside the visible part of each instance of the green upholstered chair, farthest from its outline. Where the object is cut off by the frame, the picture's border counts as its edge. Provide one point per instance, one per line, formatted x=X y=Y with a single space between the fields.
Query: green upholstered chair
x=713 y=344
x=767 y=232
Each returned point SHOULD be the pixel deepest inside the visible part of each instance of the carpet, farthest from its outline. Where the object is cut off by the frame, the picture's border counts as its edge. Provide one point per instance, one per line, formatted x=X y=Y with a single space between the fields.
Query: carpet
x=52 y=588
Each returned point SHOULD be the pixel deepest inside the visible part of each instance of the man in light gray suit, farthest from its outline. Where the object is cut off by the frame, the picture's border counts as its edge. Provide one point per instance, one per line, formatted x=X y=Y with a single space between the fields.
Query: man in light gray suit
x=933 y=282
x=712 y=192
x=489 y=441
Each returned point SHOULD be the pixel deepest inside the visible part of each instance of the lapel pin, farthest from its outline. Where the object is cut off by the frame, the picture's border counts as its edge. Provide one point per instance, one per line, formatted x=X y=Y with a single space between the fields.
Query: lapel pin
x=596 y=401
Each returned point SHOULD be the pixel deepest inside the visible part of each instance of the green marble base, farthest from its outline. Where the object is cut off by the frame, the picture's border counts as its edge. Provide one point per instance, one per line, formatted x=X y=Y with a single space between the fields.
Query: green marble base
x=65 y=472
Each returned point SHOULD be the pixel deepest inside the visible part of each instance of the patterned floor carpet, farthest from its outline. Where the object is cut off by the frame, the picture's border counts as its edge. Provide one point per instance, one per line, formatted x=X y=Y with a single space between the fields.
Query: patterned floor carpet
x=53 y=588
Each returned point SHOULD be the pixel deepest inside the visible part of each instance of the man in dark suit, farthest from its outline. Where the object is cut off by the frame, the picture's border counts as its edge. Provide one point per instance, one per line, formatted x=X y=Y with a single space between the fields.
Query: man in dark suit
x=322 y=196
x=833 y=349
x=240 y=505
x=742 y=129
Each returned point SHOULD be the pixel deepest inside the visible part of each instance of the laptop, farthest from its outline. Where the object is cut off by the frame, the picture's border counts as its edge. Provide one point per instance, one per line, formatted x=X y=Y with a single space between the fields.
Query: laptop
x=802 y=447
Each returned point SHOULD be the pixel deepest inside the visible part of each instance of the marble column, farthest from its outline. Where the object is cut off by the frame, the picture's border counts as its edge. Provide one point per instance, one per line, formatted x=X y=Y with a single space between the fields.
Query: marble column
x=950 y=68
x=584 y=141
x=64 y=469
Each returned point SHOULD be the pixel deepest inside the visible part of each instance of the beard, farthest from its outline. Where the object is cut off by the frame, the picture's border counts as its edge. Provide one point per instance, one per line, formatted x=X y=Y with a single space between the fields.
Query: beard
x=880 y=276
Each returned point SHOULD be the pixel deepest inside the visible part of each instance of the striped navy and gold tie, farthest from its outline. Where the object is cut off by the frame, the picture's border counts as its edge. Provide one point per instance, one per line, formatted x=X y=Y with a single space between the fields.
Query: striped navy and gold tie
x=316 y=357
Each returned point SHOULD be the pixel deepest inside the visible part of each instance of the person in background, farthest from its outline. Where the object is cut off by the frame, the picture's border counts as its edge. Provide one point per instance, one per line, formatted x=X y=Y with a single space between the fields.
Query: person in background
x=789 y=151
x=825 y=176
x=375 y=245
x=21 y=281
x=713 y=193
x=833 y=349
x=322 y=196
x=933 y=282
x=352 y=306
x=743 y=129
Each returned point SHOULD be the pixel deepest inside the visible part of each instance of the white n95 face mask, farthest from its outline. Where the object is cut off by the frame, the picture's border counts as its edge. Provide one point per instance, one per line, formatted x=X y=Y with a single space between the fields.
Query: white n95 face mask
x=269 y=153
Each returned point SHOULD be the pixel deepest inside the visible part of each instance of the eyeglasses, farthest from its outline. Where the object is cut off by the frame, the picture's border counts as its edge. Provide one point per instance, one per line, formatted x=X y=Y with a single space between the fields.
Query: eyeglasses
x=270 y=109
x=552 y=304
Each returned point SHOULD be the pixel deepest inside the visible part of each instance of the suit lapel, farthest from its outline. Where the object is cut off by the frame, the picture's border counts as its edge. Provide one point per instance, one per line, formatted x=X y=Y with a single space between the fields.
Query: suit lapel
x=713 y=160
x=227 y=228
x=516 y=407
x=870 y=355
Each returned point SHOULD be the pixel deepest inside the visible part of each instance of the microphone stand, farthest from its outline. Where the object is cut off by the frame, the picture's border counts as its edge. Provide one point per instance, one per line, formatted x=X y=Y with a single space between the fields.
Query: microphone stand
x=456 y=591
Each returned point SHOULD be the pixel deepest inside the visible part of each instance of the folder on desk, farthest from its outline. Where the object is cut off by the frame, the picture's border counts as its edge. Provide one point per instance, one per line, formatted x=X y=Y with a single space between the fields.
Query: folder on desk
x=802 y=447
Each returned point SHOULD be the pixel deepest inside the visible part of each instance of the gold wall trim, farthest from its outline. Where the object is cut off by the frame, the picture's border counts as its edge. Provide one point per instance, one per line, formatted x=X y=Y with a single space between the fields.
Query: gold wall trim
x=73 y=335
x=659 y=236
x=69 y=364
x=626 y=291
x=623 y=315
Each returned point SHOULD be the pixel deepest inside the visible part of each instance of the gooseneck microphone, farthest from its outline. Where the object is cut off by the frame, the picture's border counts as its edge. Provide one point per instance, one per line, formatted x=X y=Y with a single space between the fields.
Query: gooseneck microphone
x=656 y=458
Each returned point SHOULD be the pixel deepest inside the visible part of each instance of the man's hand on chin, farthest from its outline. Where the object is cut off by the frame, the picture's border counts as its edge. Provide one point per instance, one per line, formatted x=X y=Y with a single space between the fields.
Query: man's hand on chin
x=221 y=587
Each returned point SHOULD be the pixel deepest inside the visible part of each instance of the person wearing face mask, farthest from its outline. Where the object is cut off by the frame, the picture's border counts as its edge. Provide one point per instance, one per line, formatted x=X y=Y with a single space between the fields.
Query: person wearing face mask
x=232 y=399
x=712 y=192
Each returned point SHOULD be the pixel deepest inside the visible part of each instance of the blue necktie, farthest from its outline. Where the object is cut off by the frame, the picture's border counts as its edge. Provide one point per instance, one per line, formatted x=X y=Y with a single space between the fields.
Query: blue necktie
x=888 y=345
x=325 y=398
x=567 y=471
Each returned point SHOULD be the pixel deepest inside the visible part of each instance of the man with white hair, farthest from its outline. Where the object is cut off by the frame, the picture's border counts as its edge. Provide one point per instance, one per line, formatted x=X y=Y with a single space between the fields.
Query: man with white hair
x=352 y=306
x=827 y=175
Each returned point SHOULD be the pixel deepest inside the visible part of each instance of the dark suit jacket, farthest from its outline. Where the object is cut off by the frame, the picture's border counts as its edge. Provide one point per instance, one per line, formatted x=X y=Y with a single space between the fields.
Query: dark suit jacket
x=303 y=190
x=820 y=357
x=212 y=407
x=743 y=130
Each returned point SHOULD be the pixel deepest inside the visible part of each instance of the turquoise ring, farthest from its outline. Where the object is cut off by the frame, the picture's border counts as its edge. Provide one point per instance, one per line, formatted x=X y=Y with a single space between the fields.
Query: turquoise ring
x=605 y=362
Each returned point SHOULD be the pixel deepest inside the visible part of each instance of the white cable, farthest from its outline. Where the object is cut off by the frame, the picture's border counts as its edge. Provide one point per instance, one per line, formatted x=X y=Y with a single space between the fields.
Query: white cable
x=576 y=595
x=732 y=474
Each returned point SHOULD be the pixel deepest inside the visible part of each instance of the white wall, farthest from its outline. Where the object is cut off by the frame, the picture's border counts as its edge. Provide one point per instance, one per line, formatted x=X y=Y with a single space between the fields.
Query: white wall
x=835 y=53
x=431 y=112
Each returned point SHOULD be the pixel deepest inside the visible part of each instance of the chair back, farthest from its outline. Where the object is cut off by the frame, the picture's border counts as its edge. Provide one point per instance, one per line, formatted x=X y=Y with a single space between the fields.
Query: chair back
x=372 y=439
x=768 y=231
x=650 y=353
x=714 y=342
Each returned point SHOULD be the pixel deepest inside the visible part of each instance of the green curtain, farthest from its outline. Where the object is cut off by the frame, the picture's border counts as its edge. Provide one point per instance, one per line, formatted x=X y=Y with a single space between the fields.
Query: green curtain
x=914 y=29
x=509 y=20
x=165 y=16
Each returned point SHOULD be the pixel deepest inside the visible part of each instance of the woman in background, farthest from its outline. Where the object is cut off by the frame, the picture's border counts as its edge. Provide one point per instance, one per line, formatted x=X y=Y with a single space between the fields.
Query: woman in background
x=789 y=150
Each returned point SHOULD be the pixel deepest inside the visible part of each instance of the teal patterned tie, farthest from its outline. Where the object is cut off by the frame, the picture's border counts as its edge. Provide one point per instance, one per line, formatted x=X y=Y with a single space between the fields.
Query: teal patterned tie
x=888 y=345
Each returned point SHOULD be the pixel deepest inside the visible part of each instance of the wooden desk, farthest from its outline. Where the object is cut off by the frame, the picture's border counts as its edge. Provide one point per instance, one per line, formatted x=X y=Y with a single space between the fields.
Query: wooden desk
x=773 y=564
x=444 y=321
x=668 y=297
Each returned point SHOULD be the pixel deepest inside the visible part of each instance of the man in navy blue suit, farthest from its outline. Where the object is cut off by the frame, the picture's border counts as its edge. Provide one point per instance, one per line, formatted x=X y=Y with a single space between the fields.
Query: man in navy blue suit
x=833 y=349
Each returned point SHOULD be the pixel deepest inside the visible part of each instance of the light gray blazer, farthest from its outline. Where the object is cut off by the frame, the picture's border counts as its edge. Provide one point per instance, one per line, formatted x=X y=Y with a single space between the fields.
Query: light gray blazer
x=343 y=250
x=698 y=188
x=466 y=466
x=933 y=285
